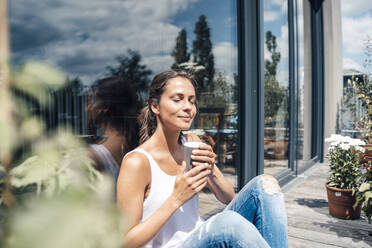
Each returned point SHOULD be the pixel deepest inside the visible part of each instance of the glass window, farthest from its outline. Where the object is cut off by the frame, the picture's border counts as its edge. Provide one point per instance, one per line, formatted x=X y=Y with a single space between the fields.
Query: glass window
x=135 y=39
x=276 y=76
x=304 y=82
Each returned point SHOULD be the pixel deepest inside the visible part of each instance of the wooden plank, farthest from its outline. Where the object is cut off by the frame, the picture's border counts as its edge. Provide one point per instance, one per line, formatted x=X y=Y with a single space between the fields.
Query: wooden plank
x=321 y=215
x=336 y=227
x=326 y=238
x=294 y=242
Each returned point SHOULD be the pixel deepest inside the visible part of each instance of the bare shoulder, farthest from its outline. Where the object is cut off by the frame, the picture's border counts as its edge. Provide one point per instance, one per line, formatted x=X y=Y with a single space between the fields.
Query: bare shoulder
x=134 y=175
x=135 y=161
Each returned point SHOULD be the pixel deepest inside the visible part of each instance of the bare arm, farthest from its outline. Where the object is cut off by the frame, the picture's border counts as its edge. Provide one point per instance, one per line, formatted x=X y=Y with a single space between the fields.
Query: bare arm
x=217 y=183
x=134 y=176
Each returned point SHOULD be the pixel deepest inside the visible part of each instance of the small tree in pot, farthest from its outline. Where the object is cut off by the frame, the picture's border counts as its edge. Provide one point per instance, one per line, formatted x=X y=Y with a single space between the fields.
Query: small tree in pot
x=344 y=155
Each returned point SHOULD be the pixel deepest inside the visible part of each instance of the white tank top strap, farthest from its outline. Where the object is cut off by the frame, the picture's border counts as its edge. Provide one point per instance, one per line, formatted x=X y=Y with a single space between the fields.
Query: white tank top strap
x=106 y=159
x=141 y=150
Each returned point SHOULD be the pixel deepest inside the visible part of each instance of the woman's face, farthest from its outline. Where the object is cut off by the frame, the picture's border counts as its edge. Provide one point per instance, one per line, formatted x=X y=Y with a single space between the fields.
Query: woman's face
x=177 y=107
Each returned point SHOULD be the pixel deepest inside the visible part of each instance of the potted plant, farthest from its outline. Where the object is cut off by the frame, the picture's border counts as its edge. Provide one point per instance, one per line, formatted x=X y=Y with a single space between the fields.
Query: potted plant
x=363 y=91
x=344 y=157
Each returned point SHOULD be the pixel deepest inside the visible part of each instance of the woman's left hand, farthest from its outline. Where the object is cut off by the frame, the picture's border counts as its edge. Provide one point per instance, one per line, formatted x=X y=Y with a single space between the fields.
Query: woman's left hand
x=203 y=155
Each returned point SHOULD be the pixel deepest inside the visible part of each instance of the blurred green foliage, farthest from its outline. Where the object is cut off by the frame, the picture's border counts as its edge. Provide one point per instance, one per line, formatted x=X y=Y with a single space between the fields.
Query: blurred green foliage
x=59 y=198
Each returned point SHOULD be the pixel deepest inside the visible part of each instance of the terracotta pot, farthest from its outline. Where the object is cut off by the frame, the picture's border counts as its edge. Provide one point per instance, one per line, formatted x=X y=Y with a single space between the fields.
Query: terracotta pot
x=368 y=152
x=340 y=203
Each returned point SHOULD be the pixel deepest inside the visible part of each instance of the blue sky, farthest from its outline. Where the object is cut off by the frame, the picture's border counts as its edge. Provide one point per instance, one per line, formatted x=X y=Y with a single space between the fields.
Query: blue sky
x=276 y=21
x=356 y=26
x=83 y=37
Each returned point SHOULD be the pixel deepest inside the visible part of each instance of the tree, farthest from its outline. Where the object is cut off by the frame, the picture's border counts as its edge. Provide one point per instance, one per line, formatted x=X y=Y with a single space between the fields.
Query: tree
x=274 y=94
x=271 y=66
x=203 y=55
x=131 y=68
x=180 y=53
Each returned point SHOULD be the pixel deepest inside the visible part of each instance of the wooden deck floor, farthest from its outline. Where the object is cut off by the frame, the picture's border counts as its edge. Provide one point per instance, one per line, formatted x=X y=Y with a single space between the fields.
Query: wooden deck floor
x=309 y=223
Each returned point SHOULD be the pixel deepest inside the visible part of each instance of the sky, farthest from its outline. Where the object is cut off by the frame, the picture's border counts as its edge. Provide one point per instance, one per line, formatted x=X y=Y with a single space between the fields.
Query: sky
x=83 y=37
x=276 y=20
x=356 y=27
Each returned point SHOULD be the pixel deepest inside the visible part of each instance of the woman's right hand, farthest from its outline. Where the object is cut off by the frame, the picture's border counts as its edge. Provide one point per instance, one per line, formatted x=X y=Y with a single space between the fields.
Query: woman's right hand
x=190 y=183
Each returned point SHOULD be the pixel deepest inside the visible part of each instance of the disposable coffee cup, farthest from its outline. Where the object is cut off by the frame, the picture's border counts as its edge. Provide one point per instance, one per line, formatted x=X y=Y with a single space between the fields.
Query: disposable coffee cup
x=188 y=148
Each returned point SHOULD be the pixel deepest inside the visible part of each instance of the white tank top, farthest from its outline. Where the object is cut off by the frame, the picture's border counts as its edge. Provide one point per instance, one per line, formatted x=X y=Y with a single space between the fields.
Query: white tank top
x=182 y=222
x=107 y=160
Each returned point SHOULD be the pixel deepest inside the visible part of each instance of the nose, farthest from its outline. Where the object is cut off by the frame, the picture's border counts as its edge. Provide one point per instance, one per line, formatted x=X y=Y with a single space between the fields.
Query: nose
x=188 y=105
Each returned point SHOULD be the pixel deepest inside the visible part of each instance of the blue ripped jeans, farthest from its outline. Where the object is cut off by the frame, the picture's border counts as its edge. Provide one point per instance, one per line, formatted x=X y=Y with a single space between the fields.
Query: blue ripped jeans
x=256 y=217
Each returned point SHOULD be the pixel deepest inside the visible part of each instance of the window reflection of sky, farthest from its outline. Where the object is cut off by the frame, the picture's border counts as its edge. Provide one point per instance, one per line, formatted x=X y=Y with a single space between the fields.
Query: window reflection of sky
x=83 y=37
x=276 y=21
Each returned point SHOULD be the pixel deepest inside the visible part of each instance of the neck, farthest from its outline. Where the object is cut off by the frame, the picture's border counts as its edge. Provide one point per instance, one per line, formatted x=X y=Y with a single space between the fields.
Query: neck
x=166 y=139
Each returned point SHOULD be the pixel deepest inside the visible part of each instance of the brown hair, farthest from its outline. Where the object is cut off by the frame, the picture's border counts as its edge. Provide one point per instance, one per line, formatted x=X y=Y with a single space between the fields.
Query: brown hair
x=147 y=118
x=114 y=101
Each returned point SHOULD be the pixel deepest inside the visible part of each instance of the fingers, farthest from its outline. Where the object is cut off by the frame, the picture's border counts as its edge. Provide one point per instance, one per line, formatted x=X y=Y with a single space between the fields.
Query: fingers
x=204 y=154
x=199 y=188
x=205 y=159
x=202 y=175
x=196 y=163
x=208 y=153
x=205 y=147
x=196 y=170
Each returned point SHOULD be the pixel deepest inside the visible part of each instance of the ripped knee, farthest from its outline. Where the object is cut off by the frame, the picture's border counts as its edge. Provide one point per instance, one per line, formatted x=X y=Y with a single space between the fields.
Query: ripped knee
x=270 y=184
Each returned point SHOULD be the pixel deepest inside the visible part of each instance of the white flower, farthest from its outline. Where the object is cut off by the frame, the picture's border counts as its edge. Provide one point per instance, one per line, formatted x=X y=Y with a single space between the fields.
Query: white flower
x=334 y=138
x=361 y=149
x=345 y=147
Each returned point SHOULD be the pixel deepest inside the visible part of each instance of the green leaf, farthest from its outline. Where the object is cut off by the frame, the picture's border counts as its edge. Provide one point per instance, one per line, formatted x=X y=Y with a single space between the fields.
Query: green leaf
x=32 y=171
x=367 y=196
x=364 y=187
x=36 y=79
x=31 y=128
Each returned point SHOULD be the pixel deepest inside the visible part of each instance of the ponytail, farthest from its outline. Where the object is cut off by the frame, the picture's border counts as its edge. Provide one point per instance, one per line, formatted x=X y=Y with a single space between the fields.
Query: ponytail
x=147 y=120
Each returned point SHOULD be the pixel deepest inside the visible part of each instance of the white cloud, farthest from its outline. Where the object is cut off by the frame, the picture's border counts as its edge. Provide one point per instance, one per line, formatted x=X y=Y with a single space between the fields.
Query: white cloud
x=283 y=45
x=277 y=2
x=284 y=7
x=89 y=34
x=355 y=7
x=270 y=15
x=274 y=10
x=349 y=63
x=225 y=57
x=354 y=33
x=283 y=77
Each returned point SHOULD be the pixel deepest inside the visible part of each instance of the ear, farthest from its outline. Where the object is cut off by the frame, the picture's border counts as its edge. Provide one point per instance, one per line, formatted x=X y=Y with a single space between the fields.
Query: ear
x=154 y=108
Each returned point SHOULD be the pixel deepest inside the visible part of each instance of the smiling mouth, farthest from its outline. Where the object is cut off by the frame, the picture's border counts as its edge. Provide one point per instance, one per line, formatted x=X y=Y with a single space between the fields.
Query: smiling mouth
x=185 y=118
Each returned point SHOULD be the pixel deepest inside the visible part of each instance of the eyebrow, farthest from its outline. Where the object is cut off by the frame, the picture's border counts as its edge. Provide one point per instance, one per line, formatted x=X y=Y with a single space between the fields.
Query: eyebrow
x=181 y=95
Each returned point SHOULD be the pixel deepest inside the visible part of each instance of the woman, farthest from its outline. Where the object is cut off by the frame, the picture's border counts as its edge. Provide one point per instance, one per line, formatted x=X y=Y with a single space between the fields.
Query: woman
x=160 y=199
x=111 y=111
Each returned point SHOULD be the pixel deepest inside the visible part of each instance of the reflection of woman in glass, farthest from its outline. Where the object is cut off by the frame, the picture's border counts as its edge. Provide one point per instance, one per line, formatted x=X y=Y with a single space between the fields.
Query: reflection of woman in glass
x=112 y=111
x=160 y=199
